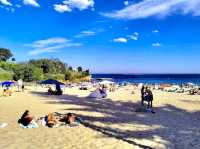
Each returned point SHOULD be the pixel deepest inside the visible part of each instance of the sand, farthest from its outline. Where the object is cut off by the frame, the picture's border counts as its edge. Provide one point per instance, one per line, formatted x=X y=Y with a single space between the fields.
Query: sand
x=112 y=122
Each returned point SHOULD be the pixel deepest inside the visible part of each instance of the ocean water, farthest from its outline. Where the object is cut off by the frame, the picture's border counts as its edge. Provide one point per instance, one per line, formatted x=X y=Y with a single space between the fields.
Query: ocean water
x=152 y=78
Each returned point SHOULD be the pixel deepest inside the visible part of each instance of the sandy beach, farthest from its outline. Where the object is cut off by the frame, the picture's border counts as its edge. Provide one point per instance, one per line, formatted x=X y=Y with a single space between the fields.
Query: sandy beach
x=112 y=122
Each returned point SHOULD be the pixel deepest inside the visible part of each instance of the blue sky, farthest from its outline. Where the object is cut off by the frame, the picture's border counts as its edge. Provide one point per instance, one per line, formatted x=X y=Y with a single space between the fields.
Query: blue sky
x=105 y=36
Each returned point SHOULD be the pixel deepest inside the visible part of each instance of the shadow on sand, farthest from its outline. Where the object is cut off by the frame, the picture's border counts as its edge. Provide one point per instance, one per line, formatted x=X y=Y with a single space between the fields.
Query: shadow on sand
x=178 y=128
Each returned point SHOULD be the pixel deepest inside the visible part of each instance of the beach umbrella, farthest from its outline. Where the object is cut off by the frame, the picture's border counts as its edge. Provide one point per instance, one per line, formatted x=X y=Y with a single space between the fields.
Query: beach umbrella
x=106 y=82
x=51 y=81
x=190 y=84
x=7 y=83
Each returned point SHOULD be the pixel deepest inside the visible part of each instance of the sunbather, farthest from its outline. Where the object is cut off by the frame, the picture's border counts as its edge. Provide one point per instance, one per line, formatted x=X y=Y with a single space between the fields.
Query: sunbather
x=70 y=118
x=50 y=121
x=27 y=121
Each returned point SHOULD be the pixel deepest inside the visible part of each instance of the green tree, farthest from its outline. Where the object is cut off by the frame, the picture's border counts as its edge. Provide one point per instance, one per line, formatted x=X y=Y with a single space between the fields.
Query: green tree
x=87 y=72
x=13 y=59
x=70 y=68
x=68 y=76
x=79 y=69
x=37 y=73
x=5 y=54
x=45 y=68
x=28 y=73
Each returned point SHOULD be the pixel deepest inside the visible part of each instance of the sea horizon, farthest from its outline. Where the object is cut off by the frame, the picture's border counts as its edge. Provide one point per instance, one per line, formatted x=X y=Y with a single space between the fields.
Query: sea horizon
x=152 y=78
x=148 y=73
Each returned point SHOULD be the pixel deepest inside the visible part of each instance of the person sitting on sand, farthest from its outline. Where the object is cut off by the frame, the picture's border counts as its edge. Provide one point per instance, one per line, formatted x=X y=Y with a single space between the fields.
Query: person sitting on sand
x=50 y=91
x=51 y=121
x=58 y=90
x=27 y=120
x=7 y=91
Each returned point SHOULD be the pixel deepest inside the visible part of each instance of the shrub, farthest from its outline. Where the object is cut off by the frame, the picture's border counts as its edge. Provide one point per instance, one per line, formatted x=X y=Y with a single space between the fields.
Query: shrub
x=6 y=76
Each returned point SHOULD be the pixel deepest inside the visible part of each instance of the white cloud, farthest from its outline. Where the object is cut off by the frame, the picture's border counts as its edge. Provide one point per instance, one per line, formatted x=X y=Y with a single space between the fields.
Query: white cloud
x=31 y=2
x=120 y=40
x=62 y=8
x=80 y=4
x=135 y=36
x=155 y=31
x=5 y=2
x=157 y=44
x=126 y=3
x=159 y=8
x=49 y=42
x=9 y=9
x=69 y=5
x=18 y=6
x=136 y=33
x=50 y=45
x=85 y=34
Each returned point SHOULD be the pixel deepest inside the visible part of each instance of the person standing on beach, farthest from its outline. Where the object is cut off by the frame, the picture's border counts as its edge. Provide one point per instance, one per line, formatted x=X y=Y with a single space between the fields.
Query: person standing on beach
x=19 y=85
x=142 y=95
x=149 y=97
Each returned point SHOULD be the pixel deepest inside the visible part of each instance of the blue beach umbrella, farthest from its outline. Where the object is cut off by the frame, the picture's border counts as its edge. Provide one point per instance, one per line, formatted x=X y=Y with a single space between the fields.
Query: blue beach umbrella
x=51 y=81
x=7 y=83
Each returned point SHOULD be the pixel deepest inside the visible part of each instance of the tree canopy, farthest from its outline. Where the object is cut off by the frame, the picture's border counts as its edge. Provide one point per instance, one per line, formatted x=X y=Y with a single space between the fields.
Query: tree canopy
x=35 y=70
x=5 y=54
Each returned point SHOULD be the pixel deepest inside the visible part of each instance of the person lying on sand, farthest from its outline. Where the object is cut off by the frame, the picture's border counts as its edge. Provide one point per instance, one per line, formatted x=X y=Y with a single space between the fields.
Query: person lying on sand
x=70 y=119
x=55 y=119
x=50 y=121
x=27 y=120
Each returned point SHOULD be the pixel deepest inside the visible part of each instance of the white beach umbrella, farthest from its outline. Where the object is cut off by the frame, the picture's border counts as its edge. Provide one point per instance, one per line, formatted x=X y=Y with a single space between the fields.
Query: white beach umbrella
x=140 y=85
x=106 y=82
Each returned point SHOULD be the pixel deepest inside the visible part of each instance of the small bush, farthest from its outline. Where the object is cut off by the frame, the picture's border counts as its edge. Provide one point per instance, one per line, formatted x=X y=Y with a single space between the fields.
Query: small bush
x=6 y=76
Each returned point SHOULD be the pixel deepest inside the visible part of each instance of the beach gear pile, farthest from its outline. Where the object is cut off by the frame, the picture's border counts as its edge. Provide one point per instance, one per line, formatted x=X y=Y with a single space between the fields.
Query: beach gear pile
x=98 y=93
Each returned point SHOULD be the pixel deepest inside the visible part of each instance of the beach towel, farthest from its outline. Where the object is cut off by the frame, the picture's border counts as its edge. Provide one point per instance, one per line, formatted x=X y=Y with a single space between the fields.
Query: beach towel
x=32 y=124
